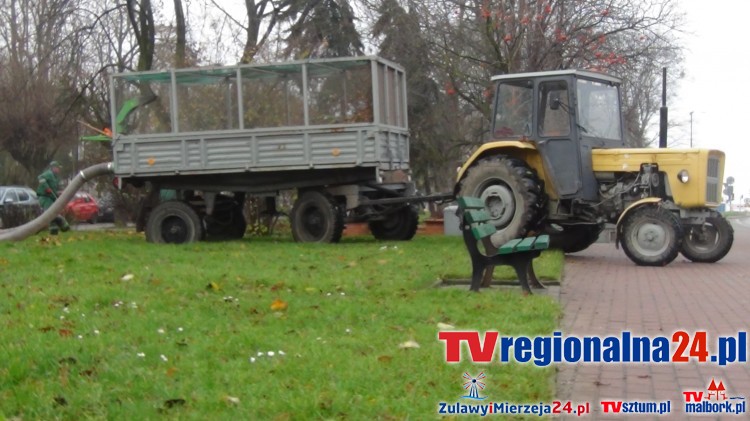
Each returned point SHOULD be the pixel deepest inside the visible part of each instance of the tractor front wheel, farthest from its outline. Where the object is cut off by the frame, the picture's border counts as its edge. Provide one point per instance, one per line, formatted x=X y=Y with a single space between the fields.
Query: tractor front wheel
x=708 y=242
x=651 y=236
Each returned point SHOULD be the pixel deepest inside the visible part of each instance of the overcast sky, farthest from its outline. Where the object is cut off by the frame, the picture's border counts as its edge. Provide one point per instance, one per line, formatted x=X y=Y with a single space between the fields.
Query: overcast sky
x=716 y=87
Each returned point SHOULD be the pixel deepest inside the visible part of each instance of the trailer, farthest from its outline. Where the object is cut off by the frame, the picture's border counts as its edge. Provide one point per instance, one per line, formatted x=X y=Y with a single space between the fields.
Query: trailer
x=202 y=140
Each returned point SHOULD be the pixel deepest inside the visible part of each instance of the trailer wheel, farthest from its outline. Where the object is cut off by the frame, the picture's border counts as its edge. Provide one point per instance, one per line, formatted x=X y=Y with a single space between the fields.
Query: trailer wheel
x=174 y=222
x=229 y=224
x=512 y=192
x=573 y=238
x=651 y=236
x=397 y=226
x=316 y=218
x=709 y=242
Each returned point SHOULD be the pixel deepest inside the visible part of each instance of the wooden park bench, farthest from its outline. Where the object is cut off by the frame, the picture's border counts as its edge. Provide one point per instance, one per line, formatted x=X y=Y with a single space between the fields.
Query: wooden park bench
x=519 y=252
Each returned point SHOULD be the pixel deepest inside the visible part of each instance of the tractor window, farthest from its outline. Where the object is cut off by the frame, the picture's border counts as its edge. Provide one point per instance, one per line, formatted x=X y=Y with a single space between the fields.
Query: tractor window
x=554 y=109
x=513 y=109
x=599 y=110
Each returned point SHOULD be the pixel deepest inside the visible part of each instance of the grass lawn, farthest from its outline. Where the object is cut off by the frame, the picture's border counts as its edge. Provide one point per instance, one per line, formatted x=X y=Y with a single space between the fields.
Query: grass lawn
x=101 y=325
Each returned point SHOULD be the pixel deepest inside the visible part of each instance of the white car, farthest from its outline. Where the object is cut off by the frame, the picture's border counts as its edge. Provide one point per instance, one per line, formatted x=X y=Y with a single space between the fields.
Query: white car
x=18 y=205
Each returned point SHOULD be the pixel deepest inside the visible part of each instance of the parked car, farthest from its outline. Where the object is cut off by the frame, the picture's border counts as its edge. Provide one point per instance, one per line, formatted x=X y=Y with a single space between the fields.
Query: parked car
x=18 y=205
x=83 y=207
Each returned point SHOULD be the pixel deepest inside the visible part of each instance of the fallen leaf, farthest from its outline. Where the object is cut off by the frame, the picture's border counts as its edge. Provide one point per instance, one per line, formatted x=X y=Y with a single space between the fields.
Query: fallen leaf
x=127 y=277
x=277 y=286
x=171 y=403
x=213 y=286
x=65 y=332
x=444 y=326
x=279 y=305
x=408 y=344
x=232 y=400
x=385 y=358
x=67 y=360
x=60 y=401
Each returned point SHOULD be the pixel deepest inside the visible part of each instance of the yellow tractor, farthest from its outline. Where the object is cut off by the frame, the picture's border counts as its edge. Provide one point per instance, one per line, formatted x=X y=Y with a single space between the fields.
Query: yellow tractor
x=558 y=164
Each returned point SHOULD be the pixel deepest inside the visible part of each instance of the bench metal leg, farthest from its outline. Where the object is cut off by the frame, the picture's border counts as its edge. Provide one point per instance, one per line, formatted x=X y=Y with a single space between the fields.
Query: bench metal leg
x=478 y=267
x=521 y=266
x=487 y=278
x=533 y=280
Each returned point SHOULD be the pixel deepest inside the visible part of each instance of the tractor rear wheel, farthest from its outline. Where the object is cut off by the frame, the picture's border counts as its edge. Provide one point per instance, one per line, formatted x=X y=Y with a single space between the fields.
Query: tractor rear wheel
x=651 y=236
x=708 y=242
x=512 y=193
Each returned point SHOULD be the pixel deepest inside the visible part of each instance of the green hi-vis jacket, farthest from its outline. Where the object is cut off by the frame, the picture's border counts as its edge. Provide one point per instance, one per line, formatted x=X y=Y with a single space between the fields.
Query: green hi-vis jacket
x=47 y=189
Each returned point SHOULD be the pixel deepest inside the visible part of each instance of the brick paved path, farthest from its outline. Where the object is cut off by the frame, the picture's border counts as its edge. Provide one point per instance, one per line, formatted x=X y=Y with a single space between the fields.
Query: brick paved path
x=604 y=293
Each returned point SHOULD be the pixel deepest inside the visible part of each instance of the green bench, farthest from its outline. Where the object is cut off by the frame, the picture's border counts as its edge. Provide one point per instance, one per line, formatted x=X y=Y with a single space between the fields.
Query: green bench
x=519 y=253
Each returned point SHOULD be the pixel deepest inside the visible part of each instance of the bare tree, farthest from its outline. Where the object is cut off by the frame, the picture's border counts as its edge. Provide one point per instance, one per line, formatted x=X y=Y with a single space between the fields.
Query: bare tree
x=141 y=16
x=474 y=39
x=40 y=78
x=181 y=34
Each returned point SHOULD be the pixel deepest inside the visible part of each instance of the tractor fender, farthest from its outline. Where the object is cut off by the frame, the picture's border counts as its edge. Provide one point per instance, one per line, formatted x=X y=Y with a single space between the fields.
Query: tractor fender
x=628 y=210
x=493 y=148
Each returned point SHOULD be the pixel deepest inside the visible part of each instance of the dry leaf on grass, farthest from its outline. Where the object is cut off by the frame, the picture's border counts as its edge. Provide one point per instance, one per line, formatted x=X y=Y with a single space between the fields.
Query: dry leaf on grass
x=279 y=305
x=409 y=344
x=232 y=400
x=443 y=326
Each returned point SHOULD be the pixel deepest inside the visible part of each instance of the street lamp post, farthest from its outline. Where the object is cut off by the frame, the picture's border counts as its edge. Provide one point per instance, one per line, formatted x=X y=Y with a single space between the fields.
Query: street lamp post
x=691 y=129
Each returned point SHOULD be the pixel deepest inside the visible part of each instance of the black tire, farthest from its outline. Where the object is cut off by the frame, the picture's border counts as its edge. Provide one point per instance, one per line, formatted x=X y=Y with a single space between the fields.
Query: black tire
x=230 y=224
x=573 y=238
x=709 y=242
x=651 y=236
x=513 y=195
x=316 y=218
x=174 y=222
x=397 y=226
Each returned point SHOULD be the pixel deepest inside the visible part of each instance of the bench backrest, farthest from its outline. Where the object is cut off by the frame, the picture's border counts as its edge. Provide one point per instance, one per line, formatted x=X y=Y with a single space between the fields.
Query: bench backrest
x=477 y=219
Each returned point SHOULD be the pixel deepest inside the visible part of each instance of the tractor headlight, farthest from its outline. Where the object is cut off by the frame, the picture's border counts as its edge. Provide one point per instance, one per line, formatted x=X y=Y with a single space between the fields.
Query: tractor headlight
x=683 y=176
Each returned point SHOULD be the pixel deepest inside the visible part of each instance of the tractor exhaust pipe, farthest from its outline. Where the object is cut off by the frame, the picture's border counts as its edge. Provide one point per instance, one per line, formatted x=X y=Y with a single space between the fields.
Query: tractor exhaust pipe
x=663 y=111
x=42 y=222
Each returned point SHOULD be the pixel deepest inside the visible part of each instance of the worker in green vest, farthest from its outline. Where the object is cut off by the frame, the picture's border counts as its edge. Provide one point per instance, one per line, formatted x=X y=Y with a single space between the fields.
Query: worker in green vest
x=47 y=193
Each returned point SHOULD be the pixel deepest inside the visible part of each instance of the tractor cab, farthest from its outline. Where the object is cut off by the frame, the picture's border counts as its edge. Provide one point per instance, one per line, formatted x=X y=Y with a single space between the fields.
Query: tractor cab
x=566 y=114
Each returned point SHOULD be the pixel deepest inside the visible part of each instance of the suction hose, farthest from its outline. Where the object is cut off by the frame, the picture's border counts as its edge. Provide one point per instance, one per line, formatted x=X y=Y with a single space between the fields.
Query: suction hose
x=42 y=222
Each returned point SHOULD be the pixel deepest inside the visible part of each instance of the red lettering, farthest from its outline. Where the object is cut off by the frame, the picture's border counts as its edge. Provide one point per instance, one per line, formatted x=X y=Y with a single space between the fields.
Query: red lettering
x=480 y=351
x=612 y=406
x=696 y=396
x=682 y=339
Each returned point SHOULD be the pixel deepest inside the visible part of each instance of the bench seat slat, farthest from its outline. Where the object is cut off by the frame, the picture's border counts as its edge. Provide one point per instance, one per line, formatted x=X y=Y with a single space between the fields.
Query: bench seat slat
x=542 y=242
x=467 y=202
x=526 y=244
x=509 y=247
